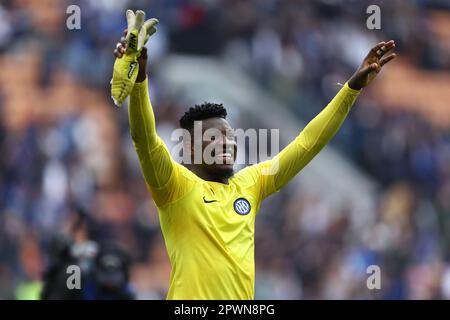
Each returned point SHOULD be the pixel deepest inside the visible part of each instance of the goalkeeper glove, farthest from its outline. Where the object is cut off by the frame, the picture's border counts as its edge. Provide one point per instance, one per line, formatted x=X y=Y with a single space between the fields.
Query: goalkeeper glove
x=126 y=68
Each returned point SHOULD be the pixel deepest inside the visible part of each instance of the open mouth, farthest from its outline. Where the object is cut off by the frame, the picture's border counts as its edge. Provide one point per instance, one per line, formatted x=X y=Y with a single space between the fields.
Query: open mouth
x=225 y=157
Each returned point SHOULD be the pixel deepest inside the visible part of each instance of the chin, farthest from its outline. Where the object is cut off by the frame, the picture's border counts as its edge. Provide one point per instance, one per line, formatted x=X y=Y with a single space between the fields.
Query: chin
x=223 y=170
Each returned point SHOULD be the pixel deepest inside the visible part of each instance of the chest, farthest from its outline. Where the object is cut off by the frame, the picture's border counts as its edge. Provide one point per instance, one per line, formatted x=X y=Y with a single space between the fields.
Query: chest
x=224 y=207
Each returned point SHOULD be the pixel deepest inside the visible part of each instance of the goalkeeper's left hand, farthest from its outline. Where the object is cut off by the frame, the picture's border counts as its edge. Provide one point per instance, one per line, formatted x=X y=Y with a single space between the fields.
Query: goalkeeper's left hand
x=372 y=65
x=126 y=65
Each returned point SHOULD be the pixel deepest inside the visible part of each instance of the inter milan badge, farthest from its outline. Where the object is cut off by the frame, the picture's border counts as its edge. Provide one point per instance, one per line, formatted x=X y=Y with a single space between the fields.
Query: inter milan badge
x=242 y=206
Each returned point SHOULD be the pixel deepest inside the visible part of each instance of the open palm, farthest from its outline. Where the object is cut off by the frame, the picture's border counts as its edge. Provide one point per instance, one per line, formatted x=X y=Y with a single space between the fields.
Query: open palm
x=372 y=64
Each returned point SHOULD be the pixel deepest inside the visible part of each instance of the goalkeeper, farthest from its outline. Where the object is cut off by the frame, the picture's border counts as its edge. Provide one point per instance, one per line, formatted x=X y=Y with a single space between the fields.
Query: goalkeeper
x=207 y=211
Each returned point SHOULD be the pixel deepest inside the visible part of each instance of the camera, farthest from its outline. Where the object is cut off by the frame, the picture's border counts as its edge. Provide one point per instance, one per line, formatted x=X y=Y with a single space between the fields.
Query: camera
x=103 y=269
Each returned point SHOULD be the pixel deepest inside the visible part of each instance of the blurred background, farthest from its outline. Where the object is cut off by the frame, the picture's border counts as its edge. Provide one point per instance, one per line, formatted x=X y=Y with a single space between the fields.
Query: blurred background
x=379 y=194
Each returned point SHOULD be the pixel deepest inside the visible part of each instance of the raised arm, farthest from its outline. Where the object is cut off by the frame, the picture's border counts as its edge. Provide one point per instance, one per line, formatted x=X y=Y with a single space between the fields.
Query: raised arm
x=163 y=176
x=277 y=172
x=156 y=163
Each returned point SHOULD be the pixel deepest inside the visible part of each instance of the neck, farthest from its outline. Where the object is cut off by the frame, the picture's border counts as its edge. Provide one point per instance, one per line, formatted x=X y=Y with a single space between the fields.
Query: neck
x=205 y=175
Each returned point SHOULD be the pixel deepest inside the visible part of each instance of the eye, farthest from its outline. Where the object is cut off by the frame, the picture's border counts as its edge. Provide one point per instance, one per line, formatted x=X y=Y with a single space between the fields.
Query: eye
x=230 y=134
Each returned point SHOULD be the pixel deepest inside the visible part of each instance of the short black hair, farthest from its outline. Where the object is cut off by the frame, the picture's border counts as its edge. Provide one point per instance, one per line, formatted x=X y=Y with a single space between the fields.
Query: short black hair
x=202 y=111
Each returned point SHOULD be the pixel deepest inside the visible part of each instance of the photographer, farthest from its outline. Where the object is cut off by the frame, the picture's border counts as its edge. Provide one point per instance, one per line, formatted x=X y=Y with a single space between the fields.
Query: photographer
x=104 y=268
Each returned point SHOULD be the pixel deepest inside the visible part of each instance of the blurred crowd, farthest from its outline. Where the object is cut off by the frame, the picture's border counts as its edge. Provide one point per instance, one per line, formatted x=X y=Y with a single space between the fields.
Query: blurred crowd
x=64 y=145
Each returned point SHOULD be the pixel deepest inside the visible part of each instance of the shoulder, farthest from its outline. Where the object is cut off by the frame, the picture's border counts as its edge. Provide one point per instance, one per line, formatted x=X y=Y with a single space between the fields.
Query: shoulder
x=248 y=176
x=186 y=173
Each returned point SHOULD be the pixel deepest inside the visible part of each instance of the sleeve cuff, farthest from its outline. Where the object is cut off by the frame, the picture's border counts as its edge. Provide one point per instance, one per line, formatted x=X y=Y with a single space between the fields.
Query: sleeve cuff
x=350 y=90
x=140 y=86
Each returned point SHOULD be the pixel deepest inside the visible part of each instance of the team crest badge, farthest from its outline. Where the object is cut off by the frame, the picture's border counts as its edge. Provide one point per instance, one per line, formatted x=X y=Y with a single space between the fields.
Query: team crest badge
x=242 y=206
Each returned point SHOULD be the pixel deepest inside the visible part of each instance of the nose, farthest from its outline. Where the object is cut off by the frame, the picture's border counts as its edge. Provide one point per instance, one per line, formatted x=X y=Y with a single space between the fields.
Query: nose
x=229 y=140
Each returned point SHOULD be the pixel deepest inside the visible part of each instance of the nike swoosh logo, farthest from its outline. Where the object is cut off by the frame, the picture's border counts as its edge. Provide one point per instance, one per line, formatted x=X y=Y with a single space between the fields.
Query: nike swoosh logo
x=132 y=67
x=208 y=201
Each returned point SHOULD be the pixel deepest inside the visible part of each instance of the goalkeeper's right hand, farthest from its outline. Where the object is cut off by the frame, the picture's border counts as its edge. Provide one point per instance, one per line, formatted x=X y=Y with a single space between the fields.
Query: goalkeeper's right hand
x=126 y=66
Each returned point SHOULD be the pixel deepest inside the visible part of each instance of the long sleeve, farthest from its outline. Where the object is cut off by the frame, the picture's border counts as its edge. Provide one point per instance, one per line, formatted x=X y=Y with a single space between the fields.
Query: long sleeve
x=162 y=174
x=277 y=172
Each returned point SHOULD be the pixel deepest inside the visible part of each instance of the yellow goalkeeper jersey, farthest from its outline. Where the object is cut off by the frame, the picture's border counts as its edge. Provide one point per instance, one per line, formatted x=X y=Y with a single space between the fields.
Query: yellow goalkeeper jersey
x=209 y=227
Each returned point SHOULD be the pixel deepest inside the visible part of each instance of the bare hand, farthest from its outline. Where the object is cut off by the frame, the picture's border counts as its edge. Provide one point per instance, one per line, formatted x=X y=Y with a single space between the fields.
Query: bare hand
x=372 y=65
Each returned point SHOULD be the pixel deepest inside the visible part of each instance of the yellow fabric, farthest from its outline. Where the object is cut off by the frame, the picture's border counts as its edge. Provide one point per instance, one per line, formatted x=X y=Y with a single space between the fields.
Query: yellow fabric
x=210 y=245
x=124 y=74
x=126 y=68
x=29 y=290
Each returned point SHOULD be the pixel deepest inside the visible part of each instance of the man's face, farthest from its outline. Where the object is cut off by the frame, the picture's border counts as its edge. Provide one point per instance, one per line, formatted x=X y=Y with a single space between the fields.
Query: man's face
x=219 y=147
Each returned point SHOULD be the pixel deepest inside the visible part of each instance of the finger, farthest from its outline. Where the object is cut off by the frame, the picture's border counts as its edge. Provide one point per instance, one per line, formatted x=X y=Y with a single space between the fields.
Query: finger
x=151 y=31
x=370 y=68
x=150 y=23
x=131 y=18
x=140 y=18
x=118 y=54
x=124 y=33
x=119 y=50
x=385 y=49
x=149 y=34
x=123 y=41
x=146 y=31
x=377 y=47
x=390 y=44
x=388 y=58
